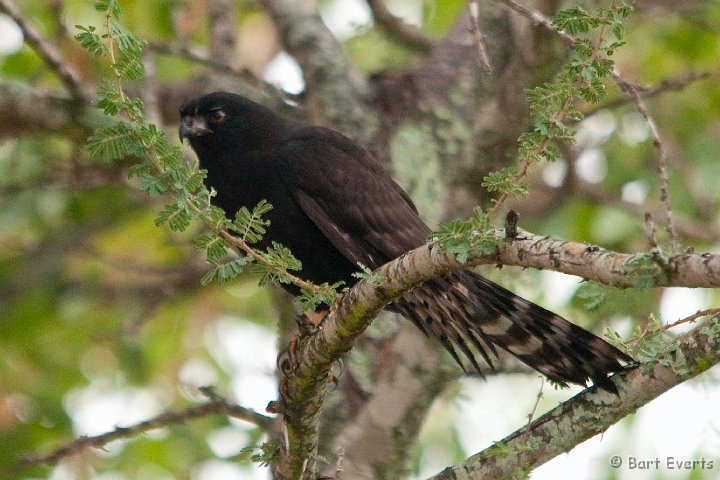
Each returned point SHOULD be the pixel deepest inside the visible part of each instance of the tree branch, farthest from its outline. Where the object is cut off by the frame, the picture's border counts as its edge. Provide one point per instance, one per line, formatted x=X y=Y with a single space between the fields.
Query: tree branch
x=670 y=84
x=482 y=56
x=49 y=54
x=200 y=56
x=378 y=430
x=221 y=20
x=591 y=262
x=688 y=227
x=396 y=27
x=303 y=388
x=215 y=405
x=658 y=146
x=593 y=411
x=29 y=111
x=539 y=19
x=337 y=94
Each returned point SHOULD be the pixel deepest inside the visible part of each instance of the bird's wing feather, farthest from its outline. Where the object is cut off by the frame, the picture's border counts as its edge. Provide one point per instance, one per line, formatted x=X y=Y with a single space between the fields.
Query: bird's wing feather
x=349 y=196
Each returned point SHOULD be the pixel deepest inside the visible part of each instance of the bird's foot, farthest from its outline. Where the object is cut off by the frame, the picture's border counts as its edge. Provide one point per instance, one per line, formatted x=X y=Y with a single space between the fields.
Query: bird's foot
x=339 y=296
x=309 y=322
x=287 y=360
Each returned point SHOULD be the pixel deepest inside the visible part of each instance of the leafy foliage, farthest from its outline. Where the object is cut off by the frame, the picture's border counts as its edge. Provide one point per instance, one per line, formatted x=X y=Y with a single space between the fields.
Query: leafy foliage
x=250 y=225
x=369 y=275
x=114 y=142
x=224 y=272
x=466 y=238
x=162 y=170
x=643 y=269
x=266 y=454
x=553 y=104
x=325 y=295
x=279 y=256
x=58 y=340
x=593 y=294
x=502 y=181
x=650 y=343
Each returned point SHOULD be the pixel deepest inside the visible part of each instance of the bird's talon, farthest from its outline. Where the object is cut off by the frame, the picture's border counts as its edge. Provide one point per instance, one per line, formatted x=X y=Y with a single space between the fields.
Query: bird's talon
x=292 y=352
x=275 y=406
x=283 y=362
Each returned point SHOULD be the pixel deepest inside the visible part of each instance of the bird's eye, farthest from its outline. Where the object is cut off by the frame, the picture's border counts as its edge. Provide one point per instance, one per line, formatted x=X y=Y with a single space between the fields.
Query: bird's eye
x=216 y=117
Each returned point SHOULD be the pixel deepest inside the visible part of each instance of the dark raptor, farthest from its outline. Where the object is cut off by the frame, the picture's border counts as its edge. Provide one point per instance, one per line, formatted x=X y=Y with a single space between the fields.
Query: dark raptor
x=335 y=205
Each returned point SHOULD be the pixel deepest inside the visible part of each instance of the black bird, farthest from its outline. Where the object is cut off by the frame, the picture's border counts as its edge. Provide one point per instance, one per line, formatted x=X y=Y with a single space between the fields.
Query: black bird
x=335 y=205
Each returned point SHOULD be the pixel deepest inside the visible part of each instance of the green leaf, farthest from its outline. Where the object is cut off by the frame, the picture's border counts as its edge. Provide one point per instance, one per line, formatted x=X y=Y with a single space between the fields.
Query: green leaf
x=111 y=7
x=366 y=273
x=127 y=41
x=116 y=141
x=129 y=66
x=90 y=40
x=643 y=270
x=228 y=271
x=575 y=20
x=280 y=259
x=177 y=216
x=109 y=99
x=268 y=453
x=594 y=295
x=216 y=218
x=215 y=246
x=250 y=225
x=504 y=181
x=326 y=295
x=466 y=238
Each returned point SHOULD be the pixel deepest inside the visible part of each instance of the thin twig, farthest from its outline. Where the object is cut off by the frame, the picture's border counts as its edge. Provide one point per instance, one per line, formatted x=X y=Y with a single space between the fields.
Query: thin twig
x=634 y=92
x=194 y=54
x=408 y=34
x=562 y=112
x=215 y=405
x=689 y=227
x=199 y=55
x=669 y=84
x=650 y=230
x=531 y=415
x=483 y=60
x=690 y=319
x=539 y=19
x=592 y=411
x=49 y=54
x=222 y=28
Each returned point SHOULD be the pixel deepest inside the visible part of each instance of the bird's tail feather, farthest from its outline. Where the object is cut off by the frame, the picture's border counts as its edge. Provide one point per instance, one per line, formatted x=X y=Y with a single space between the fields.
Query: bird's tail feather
x=467 y=312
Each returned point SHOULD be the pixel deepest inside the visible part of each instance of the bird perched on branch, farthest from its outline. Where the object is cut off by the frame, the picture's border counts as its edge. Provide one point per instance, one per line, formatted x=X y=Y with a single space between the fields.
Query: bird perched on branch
x=335 y=205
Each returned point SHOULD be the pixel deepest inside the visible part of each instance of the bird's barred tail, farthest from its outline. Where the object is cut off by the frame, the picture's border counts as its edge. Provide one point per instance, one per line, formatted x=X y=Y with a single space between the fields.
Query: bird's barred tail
x=471 y=316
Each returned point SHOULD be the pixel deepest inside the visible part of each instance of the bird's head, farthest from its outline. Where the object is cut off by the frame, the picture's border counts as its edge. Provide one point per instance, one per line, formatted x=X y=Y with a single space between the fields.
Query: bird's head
x=222 y=121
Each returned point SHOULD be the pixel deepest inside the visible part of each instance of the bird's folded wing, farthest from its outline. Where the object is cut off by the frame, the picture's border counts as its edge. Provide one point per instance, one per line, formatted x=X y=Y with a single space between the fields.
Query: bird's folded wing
x=350 y=197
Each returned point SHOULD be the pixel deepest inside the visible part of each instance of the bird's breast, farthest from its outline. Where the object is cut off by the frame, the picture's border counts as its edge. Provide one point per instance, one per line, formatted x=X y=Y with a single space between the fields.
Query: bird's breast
x=244 y=184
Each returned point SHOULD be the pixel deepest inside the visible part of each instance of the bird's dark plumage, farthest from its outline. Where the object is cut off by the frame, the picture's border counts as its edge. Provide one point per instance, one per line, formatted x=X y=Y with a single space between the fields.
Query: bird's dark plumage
x=335 y=205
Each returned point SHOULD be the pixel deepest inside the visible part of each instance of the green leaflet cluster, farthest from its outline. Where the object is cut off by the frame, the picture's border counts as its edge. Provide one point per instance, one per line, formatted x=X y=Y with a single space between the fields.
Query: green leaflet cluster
x=553 y=106
x=161 y=170
x=466 y=238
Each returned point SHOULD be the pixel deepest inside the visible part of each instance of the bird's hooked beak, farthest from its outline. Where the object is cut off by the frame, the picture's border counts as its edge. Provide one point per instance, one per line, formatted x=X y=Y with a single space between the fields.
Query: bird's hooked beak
x=191 y=126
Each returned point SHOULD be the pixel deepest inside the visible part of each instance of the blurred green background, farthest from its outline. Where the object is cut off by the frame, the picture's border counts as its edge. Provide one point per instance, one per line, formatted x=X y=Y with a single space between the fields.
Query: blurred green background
x=103 y=321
